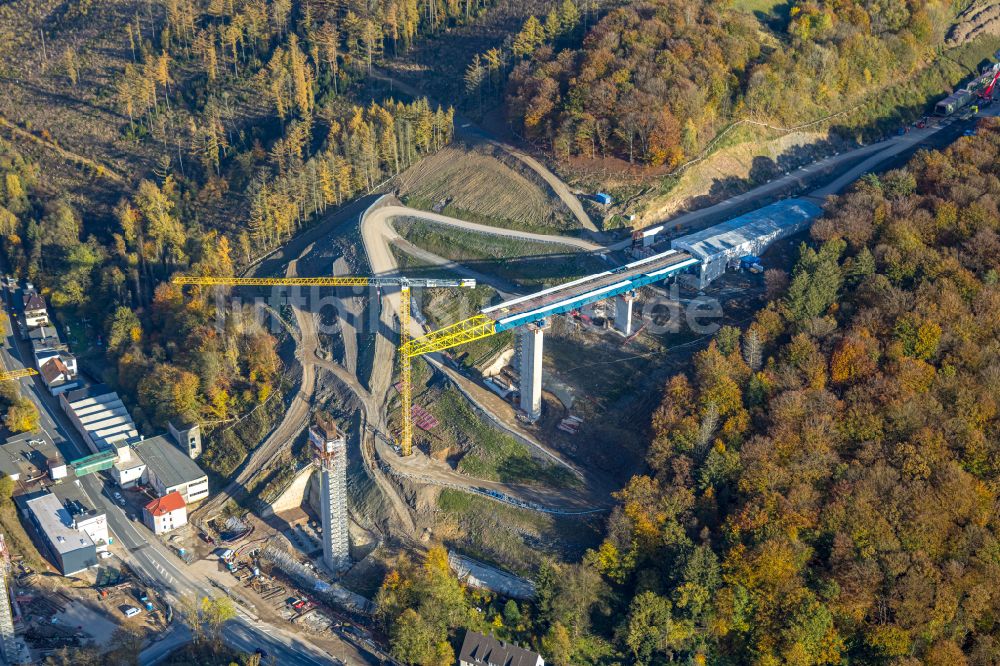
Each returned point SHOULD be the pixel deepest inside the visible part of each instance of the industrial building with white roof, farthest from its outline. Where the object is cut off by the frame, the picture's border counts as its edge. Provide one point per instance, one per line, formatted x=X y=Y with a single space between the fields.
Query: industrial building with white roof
x=718 y=246
x=164 y=462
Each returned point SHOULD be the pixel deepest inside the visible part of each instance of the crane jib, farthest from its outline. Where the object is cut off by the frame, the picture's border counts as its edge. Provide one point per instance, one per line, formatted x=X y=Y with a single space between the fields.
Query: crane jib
x=343 y=281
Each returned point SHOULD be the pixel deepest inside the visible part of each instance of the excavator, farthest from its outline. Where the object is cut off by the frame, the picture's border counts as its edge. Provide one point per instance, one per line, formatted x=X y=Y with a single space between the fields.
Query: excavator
x=407 y=351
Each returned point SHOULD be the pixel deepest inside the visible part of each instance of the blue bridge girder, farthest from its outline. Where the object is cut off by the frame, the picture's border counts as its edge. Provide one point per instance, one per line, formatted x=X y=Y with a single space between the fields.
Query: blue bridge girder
x=590 y=289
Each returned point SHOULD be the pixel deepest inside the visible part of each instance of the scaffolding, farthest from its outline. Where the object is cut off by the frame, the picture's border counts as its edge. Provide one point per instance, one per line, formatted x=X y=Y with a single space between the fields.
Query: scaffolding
x=8 y=640
x=14 y=650
x=330 y=450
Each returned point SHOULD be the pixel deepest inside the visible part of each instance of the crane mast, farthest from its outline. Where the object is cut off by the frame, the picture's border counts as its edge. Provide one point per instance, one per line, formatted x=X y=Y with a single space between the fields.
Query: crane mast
x=406 y=354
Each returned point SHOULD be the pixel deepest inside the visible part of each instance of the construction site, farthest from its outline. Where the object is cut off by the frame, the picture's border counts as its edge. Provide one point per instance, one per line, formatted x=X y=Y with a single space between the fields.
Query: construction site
x=486 y=391
x=467 y=366
x=498 y=453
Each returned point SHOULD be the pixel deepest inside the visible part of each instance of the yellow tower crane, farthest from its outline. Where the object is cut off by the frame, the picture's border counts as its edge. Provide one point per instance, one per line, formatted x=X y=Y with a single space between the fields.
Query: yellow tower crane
x=404 y=284
x=17 y=374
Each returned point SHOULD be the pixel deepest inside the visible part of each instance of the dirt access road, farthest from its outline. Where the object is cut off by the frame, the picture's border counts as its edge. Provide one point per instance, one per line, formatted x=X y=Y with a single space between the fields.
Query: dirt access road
x=377 y=234
x=294 y=421
x=469 y=130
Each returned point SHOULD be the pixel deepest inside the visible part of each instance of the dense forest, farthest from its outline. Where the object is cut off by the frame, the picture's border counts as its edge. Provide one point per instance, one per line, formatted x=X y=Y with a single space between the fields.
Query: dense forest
x=654 y=81
x=822 y=486
x=253 y=116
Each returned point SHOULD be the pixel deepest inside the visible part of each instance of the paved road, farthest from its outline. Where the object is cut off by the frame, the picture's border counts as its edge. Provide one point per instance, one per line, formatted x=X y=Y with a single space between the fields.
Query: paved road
x=888 y=150
x=875 y=155
x=377 y=235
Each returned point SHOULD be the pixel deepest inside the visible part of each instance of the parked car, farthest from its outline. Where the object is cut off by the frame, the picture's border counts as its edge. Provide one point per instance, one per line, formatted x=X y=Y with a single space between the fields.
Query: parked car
x=118 y=498
x=131 y=611
x=104 y=554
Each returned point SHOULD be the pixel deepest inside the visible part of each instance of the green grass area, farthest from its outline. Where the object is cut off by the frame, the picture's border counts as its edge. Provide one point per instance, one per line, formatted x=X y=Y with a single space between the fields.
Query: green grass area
x=458 y=212
x=916 y=96
x=524 y=262
x=444 y=307
x=17 y=540
x=514 y=539
x=762 y=6
x=491 y=453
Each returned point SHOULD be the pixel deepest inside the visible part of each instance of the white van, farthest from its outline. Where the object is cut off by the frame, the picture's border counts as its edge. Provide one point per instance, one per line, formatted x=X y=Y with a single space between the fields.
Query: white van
x=131 y=611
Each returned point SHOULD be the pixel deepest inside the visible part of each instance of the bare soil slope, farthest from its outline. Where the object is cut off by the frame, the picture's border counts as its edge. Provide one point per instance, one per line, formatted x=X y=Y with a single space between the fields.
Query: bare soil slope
x=477 y=184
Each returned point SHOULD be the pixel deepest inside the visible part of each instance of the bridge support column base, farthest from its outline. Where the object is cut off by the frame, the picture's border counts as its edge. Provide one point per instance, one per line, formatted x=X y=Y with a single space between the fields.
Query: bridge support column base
x=532 y=339
x=623 y=313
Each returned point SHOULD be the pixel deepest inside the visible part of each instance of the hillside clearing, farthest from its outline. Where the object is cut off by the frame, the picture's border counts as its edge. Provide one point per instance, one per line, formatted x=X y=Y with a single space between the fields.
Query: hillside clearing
x=475 y=184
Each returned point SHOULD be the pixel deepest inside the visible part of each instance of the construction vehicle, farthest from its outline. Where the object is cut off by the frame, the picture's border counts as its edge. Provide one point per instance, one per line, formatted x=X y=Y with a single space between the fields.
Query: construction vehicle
x=987 y=93
x=405 y=284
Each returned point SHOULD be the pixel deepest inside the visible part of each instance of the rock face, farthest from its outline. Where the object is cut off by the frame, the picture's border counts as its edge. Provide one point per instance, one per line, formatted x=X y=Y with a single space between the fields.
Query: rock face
x=294 y=495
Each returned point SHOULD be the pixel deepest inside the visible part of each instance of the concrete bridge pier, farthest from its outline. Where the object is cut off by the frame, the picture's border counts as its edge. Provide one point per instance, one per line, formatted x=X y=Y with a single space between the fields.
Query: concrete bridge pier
x=623 y=313
x=532 y=338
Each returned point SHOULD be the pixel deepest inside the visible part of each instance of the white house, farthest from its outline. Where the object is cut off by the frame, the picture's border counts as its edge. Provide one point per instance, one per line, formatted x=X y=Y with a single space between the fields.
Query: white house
x=165 y=513
x=35 y=313
x=58 y=377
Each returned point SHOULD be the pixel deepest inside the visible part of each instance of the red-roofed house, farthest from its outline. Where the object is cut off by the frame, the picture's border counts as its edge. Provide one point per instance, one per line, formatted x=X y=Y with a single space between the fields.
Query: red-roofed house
x=57 y=375
x=165 y=513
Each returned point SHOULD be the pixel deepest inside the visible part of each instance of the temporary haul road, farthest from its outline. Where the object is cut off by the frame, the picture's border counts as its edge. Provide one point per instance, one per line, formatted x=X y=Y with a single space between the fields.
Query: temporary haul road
x=378 y=236
x=465 y=128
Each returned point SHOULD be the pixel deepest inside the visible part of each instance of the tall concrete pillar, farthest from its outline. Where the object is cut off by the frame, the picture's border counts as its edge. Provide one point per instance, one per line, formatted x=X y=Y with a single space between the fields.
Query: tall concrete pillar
x=532 y=337
x=623 y=313
x=330 y=448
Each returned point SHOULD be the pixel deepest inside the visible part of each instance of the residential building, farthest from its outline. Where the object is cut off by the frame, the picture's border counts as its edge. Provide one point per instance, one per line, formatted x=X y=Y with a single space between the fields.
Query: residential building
x=166 y=513
x=56 y=375
x=480 y=650
x=129 y=469
x=32 y=458
x=64 y=355
x=35 y=313
x=169 y=469
x=95 y=524
x=46 y=338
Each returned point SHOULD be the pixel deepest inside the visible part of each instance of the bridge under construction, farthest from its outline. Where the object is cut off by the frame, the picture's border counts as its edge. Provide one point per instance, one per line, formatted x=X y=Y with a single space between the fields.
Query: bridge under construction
x=533 y=311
